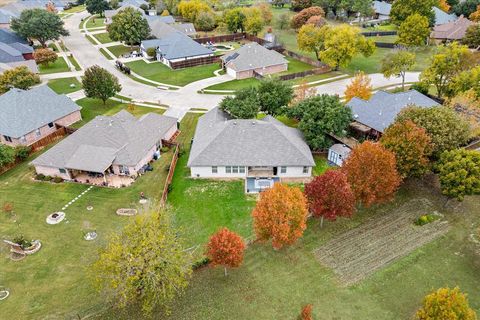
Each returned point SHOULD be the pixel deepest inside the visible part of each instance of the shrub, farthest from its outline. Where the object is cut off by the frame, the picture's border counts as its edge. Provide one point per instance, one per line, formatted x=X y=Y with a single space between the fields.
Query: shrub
x=144 y=7
x=302 y=17
x=421 y=87
x=151 y=52
x=425 y=219
x=47 y=178
x=200 y=263
x=20 y=240
x=57 y=179
x=40 y=177
x=164 y=149
x=22 y=152
x=7 y=155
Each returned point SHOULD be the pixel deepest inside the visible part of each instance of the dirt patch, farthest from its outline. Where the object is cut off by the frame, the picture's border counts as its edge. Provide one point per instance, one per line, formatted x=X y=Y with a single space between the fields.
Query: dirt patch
x=379 y=241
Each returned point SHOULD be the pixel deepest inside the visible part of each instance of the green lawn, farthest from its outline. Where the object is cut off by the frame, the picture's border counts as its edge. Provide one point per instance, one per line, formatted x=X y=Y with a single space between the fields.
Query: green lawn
x=92 y=41
x=94 y=107
x=52 y=283
x=321 y=165
x=385 y=39
x=105 y=54
x=60 y=65
x=103 y=37
x=295 y=66
x=235 y=84
x=120 y=50
x=62 y=86
x=74 y=62
x=161 y=73
x=75 y=9
x=95 y=22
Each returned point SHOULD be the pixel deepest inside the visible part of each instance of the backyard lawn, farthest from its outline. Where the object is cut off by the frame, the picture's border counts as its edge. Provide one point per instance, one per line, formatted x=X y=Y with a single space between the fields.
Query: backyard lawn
x=64 y=85
x=52 y=283
x=103 y=37
x=161 y=73
x=120 y=49
x=60 y=65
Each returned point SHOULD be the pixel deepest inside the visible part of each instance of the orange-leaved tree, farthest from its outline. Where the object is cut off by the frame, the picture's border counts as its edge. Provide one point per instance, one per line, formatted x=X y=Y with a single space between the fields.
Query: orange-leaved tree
x=443 y=4
x=329 y=196
x=280 y=215
x=360 y=87
x=446 y=303
x=306 y=313
x=226 y=249
x=372 y=173
x=411 y=145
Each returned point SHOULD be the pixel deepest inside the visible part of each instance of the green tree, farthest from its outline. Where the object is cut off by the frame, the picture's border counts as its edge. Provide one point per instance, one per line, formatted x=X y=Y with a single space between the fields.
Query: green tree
x=446 y=128
x=38 y=24
x=297 y=5
x=99 y=83
x=472 y=36
x=129 y=26
x=466 y=8
x=7 y=155
x=172 y=6
x=19 y=77
x=191 y=9
x=444 y=66
x=362 y=7
x=274 y=96
x=459 y=173
x=312 y=39
x=145 y=263
x=397 y=63
x=254 y=22
x=244 y=105
x=205 y=21
x=342 y=43
x=320 y=116
x=466 y=81
x=97 y=6
x=402 y=9
x=414 y=31
x=235 y=20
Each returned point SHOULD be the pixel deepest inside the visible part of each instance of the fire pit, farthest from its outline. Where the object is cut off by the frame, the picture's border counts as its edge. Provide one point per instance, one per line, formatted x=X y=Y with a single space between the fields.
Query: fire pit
x=55 y=217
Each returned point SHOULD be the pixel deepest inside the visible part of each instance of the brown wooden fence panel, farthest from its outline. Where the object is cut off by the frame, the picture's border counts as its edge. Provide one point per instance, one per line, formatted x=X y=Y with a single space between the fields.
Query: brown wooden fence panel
x=169 y=178
x=195 y=62
x=45 y=141
x=321 y=70
x=222 y=38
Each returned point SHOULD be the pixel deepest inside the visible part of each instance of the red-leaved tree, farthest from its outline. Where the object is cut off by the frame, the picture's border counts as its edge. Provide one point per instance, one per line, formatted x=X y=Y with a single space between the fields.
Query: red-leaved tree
x=330 y=196
x=280 y=215
x=226 y=248
x=306 y=313
x=372 y=173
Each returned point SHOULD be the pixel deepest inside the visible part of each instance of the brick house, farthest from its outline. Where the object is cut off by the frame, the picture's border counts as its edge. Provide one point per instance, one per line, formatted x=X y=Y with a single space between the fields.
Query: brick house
x=27 y=116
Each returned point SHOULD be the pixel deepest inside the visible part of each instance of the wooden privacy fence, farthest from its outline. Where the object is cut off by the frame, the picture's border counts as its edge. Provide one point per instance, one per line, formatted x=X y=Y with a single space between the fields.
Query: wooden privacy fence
x=379 y=33
x=195 y=62
x=52 y=137
x=171 y=171
x=222 y=38
x=385 y=45
x=321 y=70
x=299 y=57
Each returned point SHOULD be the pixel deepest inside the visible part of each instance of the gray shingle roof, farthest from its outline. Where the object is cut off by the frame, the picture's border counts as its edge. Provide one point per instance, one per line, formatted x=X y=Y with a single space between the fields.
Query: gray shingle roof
x=165 y=19
x=9 y=54
x=382 y=108
x=23 y=111
x=129 y=138
x=441 y=17
x=382 y=8
x=7 y=36
x=221 y=141
x=177 y=45
x=252 y=56
x=30 y=64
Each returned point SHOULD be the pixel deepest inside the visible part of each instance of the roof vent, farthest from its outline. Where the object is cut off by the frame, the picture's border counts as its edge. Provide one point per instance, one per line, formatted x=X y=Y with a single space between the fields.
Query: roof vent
x=355 y=116
x=234 y=123
x=254 y=123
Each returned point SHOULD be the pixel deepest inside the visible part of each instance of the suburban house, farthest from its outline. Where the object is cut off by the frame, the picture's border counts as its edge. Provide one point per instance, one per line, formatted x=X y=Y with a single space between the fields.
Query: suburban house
x=15 y=51
x=174 y=46
x=260 y=151
x=109 y=150
x=372 y=117
x=442 y=17
x=163 y=25
x=382 y=10
x=253 y=59
x=27 y=116
x=110 y=13
x=454 y=30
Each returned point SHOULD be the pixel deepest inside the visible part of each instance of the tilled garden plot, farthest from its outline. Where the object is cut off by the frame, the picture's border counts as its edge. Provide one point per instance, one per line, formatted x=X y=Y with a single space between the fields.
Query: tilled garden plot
x=361 y=251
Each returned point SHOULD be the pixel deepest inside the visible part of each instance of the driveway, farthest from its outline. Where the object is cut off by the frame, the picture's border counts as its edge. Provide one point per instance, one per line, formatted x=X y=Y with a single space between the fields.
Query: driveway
x=179 y=101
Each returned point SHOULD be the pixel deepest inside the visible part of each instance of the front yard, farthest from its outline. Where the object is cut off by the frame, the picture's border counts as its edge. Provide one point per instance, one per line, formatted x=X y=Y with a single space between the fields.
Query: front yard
x=64 y=85
x=103 y=37
x=60 y=65
x=120 y=50
x=159 y=72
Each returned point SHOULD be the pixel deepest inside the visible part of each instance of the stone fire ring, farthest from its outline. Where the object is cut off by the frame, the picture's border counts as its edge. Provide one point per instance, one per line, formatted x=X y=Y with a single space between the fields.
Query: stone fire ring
x=56 y=217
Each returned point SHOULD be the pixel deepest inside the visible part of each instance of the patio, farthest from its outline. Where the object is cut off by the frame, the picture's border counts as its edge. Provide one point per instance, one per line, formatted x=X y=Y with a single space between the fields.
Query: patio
x=257 y=185
x=109 y=180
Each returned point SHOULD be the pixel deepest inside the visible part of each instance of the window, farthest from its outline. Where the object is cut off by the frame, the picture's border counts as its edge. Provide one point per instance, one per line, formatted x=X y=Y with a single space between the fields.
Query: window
x=37 y=132
x=228 y=169
x=214 y=169
x=61 y=170
x=7 y=138
x=305 y=170
x=50 y=125
x=241 y=169
x=283 y=169
x=23 y=139
x=235 y=169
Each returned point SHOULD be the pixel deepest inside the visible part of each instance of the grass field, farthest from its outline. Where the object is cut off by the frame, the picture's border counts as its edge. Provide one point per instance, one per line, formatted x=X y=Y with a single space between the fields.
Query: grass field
x=161 y=73
x=103 y=37
x=60 y=65
x=62 y=86
x=52 y=282
x=120 y=50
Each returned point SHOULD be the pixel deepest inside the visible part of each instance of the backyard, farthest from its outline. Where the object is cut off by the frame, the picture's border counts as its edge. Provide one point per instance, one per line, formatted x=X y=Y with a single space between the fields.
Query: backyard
x=159 y=72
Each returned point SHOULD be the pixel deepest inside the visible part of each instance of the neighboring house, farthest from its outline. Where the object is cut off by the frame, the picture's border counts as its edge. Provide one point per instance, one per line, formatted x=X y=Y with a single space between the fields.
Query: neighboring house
x=136 y=3
x=451 y=31
x=6 y=18
x=110 y=13
x=15 y=51
x=175 y=46
x=260 y=151
x=441 y=17
x=108 y=147
x=382 y=10
x=338 y=153
x=162 y=25
x=372 y=117
x=27 y=116
x=252 y=59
